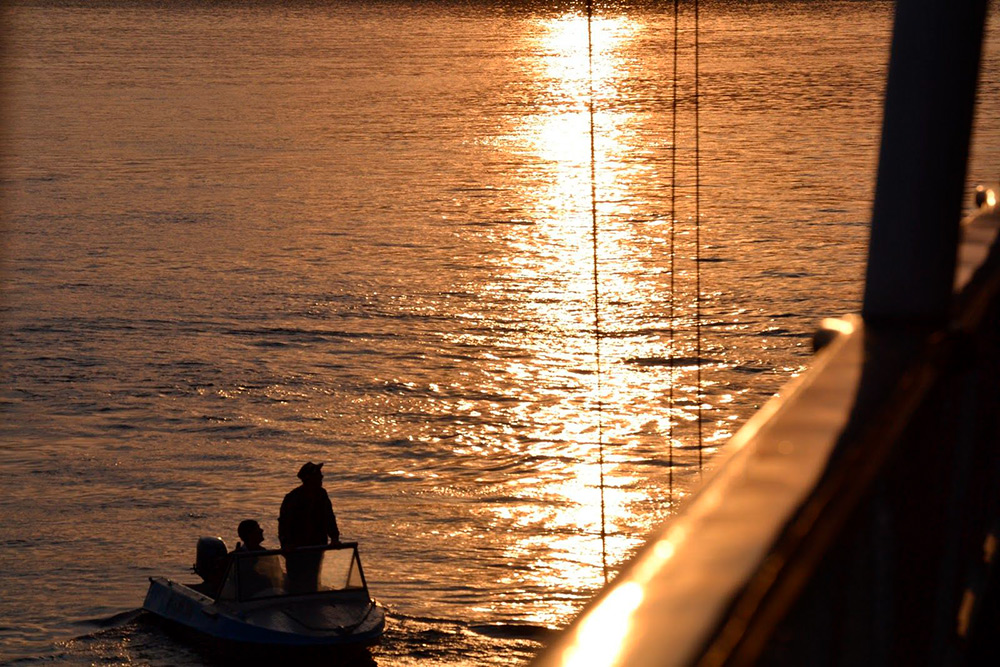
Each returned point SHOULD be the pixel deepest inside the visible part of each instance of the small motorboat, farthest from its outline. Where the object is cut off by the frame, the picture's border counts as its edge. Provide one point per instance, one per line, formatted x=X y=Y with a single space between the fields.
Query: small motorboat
x=310 y=598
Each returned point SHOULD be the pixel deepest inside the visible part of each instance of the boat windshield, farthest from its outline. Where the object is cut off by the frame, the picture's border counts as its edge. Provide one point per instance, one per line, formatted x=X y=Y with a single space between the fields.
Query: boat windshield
x=265 y=574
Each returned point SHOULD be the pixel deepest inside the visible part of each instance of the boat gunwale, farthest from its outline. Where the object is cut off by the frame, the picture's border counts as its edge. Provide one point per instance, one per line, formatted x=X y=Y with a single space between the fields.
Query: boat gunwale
x=230 y=612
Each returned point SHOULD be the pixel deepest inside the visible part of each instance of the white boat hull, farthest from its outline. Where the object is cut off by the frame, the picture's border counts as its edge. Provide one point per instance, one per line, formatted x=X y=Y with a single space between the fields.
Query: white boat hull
x=307 y=621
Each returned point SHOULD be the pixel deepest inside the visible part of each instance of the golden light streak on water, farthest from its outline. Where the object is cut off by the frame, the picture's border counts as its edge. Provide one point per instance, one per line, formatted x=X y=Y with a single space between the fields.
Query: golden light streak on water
x=568 y=553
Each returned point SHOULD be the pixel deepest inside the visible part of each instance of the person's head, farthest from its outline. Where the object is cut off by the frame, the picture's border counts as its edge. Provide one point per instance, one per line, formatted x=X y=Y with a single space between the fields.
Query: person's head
x=251 y=533
x=311 y=474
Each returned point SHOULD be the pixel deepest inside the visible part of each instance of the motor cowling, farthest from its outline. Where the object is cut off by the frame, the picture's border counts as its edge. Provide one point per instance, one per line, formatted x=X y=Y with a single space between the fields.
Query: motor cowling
x=210 y=558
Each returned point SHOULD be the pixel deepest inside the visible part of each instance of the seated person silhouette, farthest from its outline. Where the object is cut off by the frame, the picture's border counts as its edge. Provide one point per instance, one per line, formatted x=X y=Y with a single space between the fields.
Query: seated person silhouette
x=259 y=576
x=252 y=535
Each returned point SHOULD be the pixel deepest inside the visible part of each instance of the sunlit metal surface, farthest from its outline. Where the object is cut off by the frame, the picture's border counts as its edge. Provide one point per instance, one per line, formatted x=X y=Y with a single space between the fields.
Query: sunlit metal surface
x=689 y=573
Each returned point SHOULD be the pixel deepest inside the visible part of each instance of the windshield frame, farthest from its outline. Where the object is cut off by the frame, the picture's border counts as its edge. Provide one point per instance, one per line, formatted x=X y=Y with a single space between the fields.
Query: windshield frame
x=236 y=557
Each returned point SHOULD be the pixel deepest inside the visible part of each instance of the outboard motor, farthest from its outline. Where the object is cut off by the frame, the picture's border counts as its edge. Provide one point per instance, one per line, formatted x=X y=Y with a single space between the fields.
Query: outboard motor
x=210 y=560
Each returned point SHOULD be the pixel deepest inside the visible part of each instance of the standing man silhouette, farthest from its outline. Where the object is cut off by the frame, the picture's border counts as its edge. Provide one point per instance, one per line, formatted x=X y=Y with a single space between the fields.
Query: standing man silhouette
x=306 y=519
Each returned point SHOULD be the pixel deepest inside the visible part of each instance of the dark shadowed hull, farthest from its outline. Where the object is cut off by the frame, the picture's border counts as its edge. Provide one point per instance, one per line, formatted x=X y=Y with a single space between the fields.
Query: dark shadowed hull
x=305 y=624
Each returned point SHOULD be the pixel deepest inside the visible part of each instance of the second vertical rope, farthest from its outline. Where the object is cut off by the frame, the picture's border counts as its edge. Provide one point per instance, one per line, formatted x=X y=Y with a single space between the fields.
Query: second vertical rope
x=597 y=292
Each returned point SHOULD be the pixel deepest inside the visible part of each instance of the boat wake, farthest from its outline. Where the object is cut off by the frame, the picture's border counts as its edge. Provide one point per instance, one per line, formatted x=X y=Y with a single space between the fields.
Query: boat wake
x=497 y=630
x=113 y=621
x=408 y=641
x=415 y=640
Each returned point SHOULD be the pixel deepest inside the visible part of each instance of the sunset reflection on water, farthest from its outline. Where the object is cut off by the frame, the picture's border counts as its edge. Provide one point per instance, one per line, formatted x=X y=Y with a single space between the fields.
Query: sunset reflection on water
x=561 y=524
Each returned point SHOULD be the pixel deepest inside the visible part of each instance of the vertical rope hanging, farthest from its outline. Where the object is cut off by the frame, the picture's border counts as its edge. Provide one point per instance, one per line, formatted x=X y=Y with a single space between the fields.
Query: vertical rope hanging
x=597 y=301
x=697 y=233
x=673 y=253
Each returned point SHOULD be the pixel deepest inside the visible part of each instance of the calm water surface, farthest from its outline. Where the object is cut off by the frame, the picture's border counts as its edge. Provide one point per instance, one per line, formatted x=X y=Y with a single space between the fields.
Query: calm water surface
x=237 y=237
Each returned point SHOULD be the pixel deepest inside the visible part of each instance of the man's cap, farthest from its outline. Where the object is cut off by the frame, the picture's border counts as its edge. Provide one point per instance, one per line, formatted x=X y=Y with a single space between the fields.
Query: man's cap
x=310 y=470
